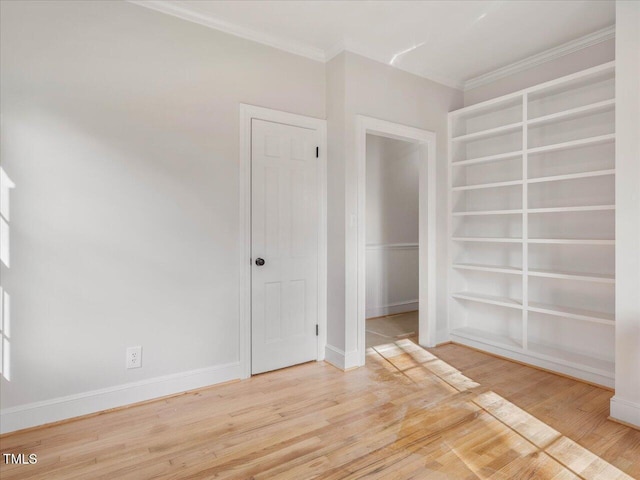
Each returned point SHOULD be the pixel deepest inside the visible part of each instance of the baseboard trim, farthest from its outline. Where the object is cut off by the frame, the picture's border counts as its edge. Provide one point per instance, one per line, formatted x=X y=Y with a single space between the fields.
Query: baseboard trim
x=334 y=356
x=625 y=411
x=339 y=359
x=392 y=309
x=64 y=408
x=550 y=366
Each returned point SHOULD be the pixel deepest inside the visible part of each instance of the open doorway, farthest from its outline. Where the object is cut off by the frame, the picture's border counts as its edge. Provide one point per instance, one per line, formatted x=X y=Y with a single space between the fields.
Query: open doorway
x=426 y=264
x=392 y=236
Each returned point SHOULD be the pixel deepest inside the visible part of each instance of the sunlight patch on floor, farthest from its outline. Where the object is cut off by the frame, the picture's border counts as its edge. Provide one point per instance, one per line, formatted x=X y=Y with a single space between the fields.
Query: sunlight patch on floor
x=501 y=428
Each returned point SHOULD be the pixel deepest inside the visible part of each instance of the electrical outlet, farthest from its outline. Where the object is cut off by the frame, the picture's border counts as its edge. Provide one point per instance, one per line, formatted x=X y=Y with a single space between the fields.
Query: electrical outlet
x=134 y=357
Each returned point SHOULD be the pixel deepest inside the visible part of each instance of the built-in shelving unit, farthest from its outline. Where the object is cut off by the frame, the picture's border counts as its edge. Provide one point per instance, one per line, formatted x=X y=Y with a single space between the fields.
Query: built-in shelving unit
x=532 y=225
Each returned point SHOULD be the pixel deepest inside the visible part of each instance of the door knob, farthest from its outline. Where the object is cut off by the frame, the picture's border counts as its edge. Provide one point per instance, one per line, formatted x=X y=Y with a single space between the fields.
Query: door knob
x=259 y=261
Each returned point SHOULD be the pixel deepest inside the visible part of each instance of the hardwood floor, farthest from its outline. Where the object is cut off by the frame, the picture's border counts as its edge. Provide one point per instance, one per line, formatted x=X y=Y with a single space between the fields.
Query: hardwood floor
x=383 y=330
x=447 y=413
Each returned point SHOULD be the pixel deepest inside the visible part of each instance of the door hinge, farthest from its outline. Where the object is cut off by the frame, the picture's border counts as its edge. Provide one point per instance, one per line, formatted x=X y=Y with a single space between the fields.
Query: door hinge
x=316 y=329
x=317 y=152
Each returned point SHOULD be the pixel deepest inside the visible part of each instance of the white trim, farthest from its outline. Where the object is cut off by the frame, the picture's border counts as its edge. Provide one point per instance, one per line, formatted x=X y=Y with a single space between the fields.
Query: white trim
x=516 y=97
x=374 y=54
x=554 y=53
x=537 y=360
x=625 y=410
x=62 y=408
x=324 y=55
x=334 y=51
x=248 y=113
x=338 y=358
x=275 y=41
x=392 y=308
x=284 y=43
x=427 y=228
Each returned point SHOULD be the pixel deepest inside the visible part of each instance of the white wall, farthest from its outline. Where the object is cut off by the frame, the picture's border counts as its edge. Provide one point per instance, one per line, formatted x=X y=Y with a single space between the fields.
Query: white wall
x=625 y=405
x=120 y=131
x=391 y=226
x=574 y=62
x=380 y=91
x=335 y=72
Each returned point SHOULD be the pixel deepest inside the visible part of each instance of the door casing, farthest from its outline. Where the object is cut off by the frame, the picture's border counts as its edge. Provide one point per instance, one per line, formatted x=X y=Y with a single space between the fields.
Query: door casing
x=356 y=272
x=247 y=114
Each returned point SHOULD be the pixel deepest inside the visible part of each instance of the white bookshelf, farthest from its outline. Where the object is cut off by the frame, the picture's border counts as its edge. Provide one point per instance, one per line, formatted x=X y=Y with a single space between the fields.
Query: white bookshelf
x=532 y=214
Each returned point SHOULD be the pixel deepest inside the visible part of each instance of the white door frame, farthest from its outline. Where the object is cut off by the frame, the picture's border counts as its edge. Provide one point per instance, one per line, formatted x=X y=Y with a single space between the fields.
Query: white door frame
x=427 y=223
x=248 y=113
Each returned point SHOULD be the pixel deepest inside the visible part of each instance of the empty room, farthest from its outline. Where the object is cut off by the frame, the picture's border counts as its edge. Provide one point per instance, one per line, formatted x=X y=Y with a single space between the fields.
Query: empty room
x=270 y=239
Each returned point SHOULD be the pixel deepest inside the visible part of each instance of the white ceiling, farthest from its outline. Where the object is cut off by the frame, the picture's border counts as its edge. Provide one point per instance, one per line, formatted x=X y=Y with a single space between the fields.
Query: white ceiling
x=453 y=42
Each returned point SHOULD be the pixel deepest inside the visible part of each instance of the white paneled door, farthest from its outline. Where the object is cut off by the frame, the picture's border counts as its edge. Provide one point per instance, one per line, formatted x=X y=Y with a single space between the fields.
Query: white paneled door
x=284 y=245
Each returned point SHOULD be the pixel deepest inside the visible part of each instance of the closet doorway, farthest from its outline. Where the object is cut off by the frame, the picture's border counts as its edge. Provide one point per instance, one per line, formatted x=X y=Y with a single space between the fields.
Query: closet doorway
x=408 y=141
x=392 y=233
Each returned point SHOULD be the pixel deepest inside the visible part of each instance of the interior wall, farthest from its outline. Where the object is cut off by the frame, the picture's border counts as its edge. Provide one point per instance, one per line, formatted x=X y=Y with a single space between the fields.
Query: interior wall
x=625 y=405
x=571 y=63
x=391 y=226
x=378 y=90
x=335 y=74
x=120 y=131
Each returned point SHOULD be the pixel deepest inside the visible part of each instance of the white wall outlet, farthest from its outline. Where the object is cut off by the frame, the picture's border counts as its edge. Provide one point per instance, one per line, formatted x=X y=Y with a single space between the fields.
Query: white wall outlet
x=134 y=357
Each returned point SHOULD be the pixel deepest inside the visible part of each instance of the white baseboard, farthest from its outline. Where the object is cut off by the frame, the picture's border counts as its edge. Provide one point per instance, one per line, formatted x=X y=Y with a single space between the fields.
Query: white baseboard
x=625 y=411
x=338 y=358
x=391 y=308
x=547 y=364
x=62 y=408
x=334 y=356
x=351 y=360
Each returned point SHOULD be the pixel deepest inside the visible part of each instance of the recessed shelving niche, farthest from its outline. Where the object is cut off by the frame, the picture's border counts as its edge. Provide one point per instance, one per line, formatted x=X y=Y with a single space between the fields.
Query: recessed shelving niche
x=532 y=250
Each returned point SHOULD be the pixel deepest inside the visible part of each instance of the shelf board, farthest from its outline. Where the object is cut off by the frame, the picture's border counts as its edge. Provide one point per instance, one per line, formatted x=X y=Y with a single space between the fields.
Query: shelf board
x=583 y=142
x=486 y=337
x=490 y=132
x=487 y=212
x=573 y=241
x=587 y=277
x=493 y=105
x=571 y=359
x=573 y=113
x=487 y=239
x=487 y=268
x=574 y=313
x=573 y=176
x=488 y=185
x=552 y=87
x=489 y=299
x=489 y=158
x=582 y=208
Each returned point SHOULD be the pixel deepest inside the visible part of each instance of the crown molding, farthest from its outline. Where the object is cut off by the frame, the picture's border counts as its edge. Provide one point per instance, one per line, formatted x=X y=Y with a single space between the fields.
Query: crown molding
x=554 y=53
x=334 y=51
x=374 y=55
x=288 y=45
x=298 y=48
x=435 y=77
x=171 y=7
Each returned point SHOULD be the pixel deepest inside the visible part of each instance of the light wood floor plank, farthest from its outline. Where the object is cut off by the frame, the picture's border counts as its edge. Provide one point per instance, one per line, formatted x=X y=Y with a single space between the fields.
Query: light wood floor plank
x=444 y=413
